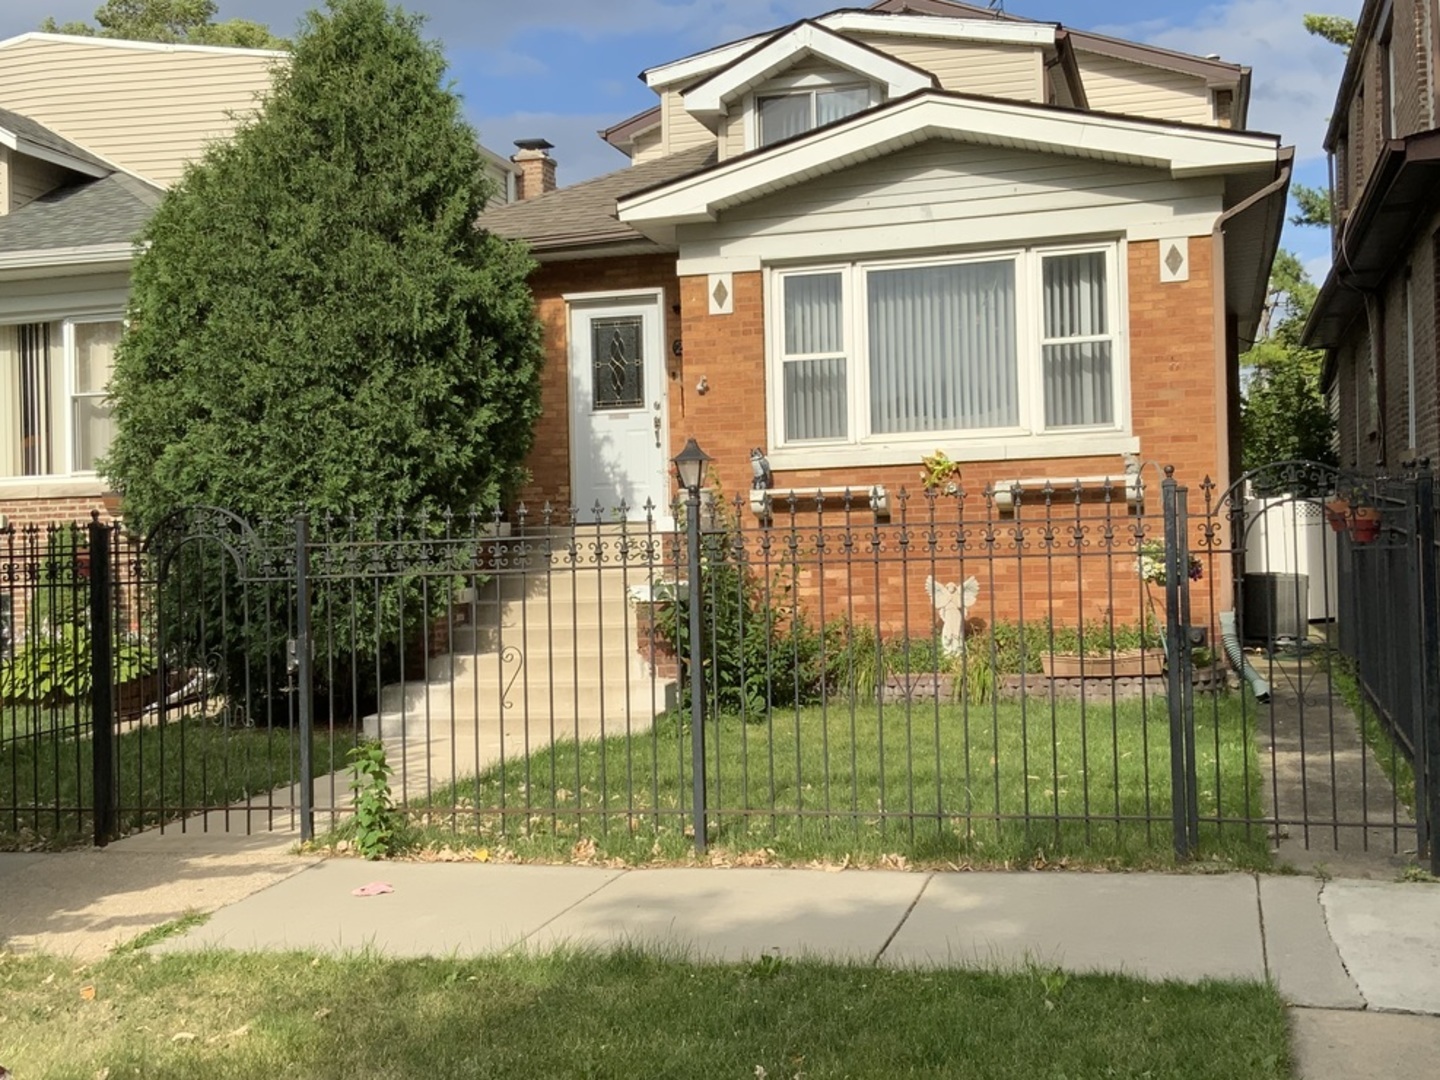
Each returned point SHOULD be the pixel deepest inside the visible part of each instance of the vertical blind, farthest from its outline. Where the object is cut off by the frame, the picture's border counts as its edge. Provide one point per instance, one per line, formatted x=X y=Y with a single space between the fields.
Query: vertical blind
x=943 y=348
x=1078 y=355
x=816 y=398
x=783 y=116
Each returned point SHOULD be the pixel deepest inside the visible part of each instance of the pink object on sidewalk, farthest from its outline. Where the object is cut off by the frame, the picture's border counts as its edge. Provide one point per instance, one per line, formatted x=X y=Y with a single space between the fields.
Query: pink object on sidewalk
x=375 y=888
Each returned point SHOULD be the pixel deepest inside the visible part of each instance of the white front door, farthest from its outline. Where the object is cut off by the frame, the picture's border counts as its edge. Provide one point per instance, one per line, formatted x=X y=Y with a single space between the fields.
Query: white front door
x=618 y=416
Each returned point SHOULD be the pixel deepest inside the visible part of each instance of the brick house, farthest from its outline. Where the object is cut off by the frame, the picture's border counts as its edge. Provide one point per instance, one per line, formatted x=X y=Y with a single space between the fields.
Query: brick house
x=92 y=132
x=879 y=232
x=1377 y=310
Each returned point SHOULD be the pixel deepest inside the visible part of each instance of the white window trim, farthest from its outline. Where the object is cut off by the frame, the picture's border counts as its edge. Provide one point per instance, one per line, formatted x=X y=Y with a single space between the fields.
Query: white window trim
x=1028 y=441
x=800 y=84
x=69 y=477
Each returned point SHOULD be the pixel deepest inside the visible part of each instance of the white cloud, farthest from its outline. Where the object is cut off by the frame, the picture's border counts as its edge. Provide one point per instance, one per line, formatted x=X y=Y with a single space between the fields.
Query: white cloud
x=1295 y=75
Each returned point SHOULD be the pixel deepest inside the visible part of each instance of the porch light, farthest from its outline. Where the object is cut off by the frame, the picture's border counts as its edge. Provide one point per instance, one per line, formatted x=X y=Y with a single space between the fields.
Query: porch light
x=690 y=466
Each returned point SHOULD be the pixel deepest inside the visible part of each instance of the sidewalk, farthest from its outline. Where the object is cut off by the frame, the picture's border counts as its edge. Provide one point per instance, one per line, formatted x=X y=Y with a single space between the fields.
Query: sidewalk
x=1332 y=949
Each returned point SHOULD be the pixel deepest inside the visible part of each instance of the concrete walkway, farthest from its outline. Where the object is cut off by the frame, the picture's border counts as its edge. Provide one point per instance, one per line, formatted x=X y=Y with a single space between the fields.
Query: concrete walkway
x=1348 y=955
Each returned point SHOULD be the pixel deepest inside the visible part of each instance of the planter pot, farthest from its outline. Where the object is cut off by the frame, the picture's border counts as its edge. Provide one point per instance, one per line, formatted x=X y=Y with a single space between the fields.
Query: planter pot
x=1364 y=530
x=1122 y=664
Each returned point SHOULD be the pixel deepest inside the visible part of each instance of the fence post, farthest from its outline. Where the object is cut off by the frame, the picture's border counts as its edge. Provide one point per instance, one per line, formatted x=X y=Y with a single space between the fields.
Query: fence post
x=304 y=661
x=1177 y=652
x=1427 y=750
x=102 y=714
x=697 y=671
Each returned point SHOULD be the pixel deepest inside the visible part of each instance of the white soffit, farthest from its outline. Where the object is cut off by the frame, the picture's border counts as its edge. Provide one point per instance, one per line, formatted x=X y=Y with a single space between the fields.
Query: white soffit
x=1183 y=152
x=712 y=98
x=939 y=27
x=24 y=146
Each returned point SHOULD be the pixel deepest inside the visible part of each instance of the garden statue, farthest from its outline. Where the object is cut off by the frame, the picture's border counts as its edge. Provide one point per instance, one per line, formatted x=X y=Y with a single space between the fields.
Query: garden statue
x=951 y=604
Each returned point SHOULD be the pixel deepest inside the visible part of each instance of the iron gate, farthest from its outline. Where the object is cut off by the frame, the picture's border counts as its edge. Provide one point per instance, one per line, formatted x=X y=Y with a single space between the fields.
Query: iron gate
x=1016 y=674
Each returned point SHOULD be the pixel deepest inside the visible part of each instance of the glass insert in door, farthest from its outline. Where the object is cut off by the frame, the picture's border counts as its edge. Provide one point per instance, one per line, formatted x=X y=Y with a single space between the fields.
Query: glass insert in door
x=618 y=362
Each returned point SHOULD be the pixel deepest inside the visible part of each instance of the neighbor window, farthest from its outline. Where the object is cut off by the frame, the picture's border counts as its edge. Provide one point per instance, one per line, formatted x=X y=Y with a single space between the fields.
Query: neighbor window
x=782 y=116
x=1013 y=344
x=55 y=418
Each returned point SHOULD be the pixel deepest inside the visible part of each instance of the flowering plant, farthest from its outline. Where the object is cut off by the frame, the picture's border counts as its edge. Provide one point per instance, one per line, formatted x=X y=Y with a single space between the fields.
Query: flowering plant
x=1151 y=563
x=940 y=473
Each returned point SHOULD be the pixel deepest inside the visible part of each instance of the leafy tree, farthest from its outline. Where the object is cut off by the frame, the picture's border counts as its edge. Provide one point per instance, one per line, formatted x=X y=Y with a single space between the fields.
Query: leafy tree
x=1333 y=28
x=316 y=322
x=1284 y=416
x=188 y=22
x=1313 y=204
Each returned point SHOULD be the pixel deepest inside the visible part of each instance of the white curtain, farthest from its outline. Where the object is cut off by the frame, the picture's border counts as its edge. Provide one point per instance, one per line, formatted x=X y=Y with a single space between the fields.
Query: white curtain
x=9 y=401
x=943 y=348
x=1079 y=384
x=95 y=344
x=816 y=401
x=783 y=116
x=832 y=105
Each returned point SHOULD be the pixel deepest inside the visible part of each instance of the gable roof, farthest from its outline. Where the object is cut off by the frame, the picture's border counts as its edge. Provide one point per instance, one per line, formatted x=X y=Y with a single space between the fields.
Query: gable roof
x=624 y=133
x=583 y=214
x=125 y=43
x=710 y=98
x=34 y=139
x=93 y=213
x=1181 y=149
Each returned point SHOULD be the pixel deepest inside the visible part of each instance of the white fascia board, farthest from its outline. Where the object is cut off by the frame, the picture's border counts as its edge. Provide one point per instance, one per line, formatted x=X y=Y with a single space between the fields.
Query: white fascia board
x=24 y=146
x=44 y=258
x=145 y=46
x=693 y=67
x=1187 y=152
x=712 y=98
x=942 y=27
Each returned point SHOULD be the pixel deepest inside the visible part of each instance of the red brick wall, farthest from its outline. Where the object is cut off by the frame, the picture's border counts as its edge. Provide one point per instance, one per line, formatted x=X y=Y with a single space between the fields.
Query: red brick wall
x=46 y=511
x=1178 y=414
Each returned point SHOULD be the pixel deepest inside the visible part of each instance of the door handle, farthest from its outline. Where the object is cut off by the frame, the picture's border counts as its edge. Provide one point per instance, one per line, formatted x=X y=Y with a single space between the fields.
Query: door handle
x=657 y=431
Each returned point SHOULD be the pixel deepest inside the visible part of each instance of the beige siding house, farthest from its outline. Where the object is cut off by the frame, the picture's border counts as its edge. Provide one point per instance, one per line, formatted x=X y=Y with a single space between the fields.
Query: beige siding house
x=92 y=132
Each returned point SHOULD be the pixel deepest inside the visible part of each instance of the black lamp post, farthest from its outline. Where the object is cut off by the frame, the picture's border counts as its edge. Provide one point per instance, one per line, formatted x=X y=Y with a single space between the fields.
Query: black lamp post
x=690 y=469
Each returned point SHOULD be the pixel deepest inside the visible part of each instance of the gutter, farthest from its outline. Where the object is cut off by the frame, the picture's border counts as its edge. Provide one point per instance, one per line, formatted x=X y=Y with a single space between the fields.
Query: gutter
x=38 y=258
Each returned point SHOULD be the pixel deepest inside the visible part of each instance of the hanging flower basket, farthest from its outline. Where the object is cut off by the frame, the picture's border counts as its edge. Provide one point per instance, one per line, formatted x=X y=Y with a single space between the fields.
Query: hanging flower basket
x=1365 y=524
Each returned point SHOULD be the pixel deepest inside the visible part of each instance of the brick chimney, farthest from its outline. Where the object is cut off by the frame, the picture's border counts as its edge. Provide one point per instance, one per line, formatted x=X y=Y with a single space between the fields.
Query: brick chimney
x=537 y=168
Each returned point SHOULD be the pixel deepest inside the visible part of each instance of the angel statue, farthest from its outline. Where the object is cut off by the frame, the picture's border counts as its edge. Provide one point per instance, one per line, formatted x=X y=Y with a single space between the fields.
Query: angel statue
x=951 y=603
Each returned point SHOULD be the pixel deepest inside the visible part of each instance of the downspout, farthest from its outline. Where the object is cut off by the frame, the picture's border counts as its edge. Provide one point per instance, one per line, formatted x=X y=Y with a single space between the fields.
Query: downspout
x=1228 y=634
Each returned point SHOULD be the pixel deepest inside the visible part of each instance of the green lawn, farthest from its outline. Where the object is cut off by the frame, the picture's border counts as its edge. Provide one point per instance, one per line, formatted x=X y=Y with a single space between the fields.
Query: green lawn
x=627 y=1016
x=46 y=772
x=938 y=783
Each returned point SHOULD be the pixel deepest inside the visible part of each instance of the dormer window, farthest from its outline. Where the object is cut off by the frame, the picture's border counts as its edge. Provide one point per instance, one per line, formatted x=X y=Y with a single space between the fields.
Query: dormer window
x=785 y=115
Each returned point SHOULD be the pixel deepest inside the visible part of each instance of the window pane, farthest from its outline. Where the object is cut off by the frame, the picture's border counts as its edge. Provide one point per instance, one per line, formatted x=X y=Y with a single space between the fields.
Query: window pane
x=783 y=116
x=1078 y=387
x=814 y=320
x=94 y=428
x=832 y=105
x=617 y=362
x=95 y=354
x=942 y=348
x=1075 y=298
x=32 y=399
x=815 y=400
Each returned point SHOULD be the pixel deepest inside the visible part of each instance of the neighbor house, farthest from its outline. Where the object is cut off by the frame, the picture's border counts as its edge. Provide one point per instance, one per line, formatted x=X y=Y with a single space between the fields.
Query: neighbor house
x=1377 y=311
x=876 y=233
x=92 y=132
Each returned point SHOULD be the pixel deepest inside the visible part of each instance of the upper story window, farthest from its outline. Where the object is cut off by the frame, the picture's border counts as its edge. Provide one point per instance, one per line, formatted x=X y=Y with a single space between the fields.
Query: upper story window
x=55 y=417
x=784 y=112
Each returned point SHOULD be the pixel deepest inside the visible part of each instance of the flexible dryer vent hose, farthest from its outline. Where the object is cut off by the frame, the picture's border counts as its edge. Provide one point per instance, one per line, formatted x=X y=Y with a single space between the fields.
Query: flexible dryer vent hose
x=1231 y=638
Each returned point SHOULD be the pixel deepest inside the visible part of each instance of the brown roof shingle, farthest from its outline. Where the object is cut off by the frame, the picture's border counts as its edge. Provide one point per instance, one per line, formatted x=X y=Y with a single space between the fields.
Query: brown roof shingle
x=584 y=213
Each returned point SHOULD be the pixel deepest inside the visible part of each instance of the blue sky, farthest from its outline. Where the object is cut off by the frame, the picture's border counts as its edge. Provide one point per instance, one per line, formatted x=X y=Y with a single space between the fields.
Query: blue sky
x=561 y=69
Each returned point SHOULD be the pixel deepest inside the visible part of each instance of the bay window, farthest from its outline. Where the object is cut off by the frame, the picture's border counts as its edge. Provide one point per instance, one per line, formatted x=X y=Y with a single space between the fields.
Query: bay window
x=55 y=418
x=998 y=346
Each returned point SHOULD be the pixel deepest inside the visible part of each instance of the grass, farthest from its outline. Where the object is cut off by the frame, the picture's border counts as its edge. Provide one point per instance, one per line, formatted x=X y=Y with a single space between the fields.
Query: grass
x=994 y=784
x=1383 y=746
x=46 y=774
x=626 y=1015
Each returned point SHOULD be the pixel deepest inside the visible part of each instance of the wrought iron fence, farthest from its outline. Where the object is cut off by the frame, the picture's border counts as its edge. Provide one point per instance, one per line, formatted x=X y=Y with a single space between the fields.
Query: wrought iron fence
x=947 y=676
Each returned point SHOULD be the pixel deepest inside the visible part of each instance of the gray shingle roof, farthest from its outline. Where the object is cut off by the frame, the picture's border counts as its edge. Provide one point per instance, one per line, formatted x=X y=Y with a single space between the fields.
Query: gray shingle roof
x=584 y=213
x=111 y=210
x=40 y=135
